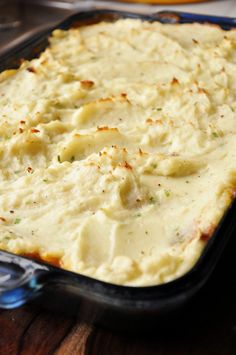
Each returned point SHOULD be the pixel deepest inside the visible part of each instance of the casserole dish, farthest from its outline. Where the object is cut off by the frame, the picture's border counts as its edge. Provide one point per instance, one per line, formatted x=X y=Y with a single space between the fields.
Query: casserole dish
x=23 y=279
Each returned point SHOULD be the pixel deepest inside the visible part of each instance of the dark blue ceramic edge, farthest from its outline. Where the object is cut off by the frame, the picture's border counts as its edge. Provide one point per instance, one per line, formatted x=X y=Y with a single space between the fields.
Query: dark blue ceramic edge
x=187 y=17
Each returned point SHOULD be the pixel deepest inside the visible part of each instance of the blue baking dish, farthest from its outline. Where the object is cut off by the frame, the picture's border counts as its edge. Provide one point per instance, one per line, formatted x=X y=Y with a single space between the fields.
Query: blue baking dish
x=25 y=279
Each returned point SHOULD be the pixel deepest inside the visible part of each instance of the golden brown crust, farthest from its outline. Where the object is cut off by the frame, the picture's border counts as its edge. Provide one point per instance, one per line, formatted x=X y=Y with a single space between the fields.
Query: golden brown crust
x=50 y=259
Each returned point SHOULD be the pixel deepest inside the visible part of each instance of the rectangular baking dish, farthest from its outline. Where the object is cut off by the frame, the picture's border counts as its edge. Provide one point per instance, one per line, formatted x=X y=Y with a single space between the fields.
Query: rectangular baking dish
x=23 y=279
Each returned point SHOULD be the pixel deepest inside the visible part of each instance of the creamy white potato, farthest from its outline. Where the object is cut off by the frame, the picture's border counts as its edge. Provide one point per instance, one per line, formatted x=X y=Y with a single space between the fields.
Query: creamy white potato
x=118 y=149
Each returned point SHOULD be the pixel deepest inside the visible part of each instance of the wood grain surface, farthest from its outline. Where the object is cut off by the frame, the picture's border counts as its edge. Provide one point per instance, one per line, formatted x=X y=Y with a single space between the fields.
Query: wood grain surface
x=32 y=330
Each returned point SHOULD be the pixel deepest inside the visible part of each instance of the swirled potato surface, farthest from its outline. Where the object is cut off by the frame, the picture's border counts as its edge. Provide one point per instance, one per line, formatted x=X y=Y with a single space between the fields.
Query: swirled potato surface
x=118 y=149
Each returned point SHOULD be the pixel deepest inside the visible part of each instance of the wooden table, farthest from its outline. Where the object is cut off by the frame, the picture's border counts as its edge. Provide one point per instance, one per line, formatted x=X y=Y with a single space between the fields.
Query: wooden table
x=31 y=330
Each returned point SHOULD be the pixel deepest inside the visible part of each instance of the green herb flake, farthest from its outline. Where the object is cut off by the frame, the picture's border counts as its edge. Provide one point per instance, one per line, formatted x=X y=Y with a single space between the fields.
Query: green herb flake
x=17 y=221
x=72 y=159
x=45 y=180
x=154 y=165
x=137 y=215
x=5 y=239
x=167 y=193
x=59 y=158
x=215 y=135
x=152 y=199
x=159 y=109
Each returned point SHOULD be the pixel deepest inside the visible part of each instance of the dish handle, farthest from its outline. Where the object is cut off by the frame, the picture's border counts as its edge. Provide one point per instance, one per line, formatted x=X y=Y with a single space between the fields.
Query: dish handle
x=20 y=280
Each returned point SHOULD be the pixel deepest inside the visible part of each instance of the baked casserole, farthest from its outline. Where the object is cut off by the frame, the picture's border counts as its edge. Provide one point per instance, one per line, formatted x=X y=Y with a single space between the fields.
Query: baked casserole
x=118 y=149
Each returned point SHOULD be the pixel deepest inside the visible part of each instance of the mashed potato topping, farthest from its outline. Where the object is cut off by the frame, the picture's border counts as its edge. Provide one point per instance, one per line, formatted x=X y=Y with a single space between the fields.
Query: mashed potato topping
x=118 y=149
